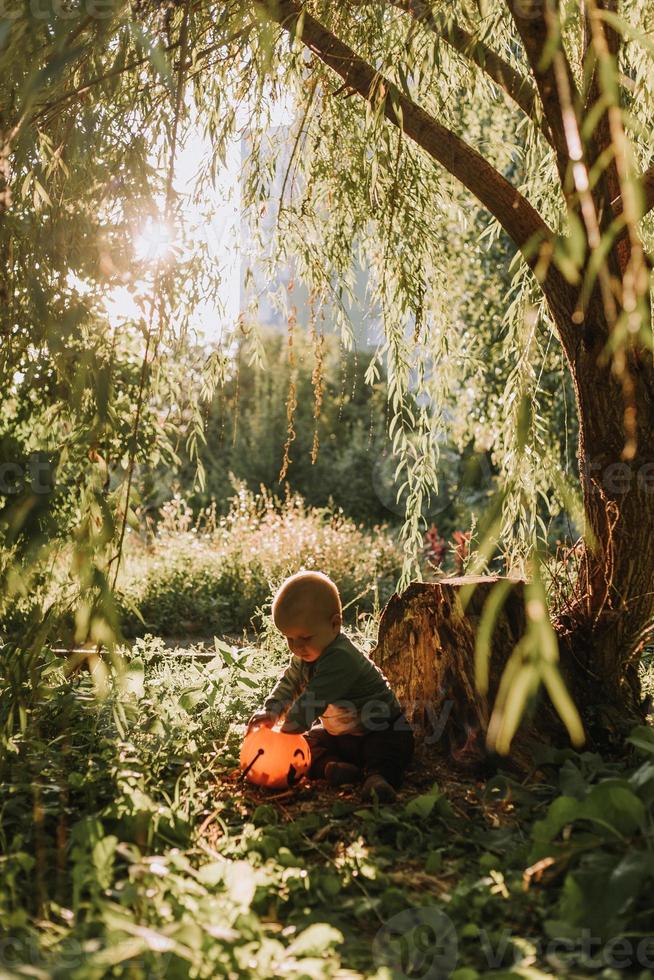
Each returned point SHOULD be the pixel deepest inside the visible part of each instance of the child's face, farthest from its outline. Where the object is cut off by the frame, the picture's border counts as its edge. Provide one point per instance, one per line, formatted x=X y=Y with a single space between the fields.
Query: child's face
x=307 y=636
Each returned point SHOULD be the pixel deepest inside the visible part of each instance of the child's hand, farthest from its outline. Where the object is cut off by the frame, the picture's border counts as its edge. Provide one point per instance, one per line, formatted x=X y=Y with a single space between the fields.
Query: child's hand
x=261 y=719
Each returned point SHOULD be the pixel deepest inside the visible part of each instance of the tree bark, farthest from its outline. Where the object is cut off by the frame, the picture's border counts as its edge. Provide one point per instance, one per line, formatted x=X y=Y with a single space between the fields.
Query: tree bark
x=538 y=26
x=426 y=649
x=613 y=611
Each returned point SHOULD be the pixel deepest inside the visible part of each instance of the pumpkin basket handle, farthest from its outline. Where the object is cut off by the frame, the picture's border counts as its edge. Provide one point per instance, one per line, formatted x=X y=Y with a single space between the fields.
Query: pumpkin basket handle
x=250 y=764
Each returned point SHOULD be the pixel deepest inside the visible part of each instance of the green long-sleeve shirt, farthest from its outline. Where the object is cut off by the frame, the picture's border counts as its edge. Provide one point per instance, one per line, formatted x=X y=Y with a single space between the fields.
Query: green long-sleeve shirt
x=342 y=687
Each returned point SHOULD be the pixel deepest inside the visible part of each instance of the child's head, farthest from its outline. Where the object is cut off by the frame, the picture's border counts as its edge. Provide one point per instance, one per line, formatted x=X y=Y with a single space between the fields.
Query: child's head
x=307 y=610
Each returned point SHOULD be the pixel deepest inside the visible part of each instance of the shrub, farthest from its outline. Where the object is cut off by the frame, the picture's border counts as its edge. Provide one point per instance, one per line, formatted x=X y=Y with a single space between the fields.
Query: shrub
x=212 y=574
x=247 y=426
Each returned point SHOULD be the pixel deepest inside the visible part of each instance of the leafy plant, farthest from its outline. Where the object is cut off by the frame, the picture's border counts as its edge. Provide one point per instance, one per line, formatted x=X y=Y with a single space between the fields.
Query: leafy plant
x=214 y=573
x=131 y=848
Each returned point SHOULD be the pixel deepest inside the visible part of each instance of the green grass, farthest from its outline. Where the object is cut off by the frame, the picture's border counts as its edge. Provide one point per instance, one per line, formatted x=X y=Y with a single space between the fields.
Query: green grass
x=131 y=848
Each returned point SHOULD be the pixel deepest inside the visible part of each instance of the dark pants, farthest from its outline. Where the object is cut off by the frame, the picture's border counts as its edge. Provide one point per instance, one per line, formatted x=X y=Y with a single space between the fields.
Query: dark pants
x=387 y=752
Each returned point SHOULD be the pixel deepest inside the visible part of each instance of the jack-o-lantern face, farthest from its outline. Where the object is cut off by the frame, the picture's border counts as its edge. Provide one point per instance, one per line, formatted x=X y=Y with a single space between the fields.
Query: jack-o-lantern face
x=274 y=759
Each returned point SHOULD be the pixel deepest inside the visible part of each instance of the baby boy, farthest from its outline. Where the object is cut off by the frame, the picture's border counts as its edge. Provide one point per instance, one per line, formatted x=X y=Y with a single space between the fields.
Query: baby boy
x=330 y=690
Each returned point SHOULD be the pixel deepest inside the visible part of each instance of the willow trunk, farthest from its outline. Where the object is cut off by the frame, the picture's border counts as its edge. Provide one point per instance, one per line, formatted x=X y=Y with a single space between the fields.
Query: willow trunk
x=604 y=631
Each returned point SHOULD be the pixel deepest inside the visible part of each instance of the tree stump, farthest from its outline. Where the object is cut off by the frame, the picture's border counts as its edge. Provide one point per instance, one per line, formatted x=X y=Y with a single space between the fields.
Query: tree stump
x=426 y=646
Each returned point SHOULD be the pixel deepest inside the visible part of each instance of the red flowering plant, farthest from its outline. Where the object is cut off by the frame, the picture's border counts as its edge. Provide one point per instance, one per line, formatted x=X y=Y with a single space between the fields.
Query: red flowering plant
x=435 y=547
x=461 y=541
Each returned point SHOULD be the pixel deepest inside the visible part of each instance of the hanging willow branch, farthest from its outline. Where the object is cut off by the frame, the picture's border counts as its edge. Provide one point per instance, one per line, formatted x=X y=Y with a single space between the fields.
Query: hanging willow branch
x=513 y=211
x=516 y=86
x=291 y=399
x=157 y=297
x=521 y=221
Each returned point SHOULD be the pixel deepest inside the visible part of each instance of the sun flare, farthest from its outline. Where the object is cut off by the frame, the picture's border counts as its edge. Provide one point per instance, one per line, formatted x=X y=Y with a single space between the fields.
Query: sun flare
x=155 y=242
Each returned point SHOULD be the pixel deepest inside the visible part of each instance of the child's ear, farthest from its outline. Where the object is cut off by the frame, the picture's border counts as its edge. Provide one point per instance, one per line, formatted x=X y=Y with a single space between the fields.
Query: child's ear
x=337 y=621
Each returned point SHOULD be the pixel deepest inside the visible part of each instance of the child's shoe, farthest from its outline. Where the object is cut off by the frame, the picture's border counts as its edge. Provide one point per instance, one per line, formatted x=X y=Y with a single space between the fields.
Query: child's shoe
x=376 y=786
x=341 y=773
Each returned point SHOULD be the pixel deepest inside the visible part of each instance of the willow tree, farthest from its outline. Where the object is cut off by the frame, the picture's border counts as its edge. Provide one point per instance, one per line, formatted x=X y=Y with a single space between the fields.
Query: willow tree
x=406 y=117
x=572 y=199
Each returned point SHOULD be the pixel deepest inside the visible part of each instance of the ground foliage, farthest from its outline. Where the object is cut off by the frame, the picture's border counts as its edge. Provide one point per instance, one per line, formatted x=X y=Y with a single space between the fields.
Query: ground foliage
x=131 y=847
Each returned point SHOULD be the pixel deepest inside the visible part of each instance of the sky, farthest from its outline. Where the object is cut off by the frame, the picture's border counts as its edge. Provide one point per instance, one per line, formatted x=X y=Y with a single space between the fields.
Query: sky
x=217 y=225
x=220 y=233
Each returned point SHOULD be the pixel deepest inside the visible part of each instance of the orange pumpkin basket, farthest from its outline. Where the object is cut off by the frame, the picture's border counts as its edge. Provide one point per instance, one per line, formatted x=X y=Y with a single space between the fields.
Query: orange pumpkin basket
x=274 y=759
